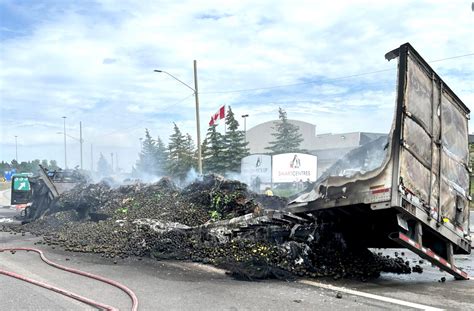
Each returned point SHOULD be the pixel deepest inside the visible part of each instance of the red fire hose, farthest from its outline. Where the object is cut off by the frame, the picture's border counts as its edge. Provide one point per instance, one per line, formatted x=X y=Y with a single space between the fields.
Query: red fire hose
x=99 y=305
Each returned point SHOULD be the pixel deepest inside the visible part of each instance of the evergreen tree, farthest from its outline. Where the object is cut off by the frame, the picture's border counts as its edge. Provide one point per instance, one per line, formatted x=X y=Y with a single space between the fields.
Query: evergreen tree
x=204 y=145
x=4 y=166
x=14 y=164
x=287 y=136
x=147 y=163
x=103 y=167
x=213 y=152
x=236 y=146
x=53 y=165
x=177 y=156
x=161 y=157
x=189 y=151
x=34 y=166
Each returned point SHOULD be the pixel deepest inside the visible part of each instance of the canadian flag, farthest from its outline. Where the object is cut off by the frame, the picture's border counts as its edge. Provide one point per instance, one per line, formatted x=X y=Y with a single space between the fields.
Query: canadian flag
x=220 y=114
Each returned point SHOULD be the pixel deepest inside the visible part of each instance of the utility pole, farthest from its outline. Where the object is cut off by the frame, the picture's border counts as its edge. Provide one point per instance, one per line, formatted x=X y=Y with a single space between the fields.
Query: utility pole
x=16 y=148
x=245 y=125
x=198 y=127
x=65 y=152
x=80 y=139
x=196 y=98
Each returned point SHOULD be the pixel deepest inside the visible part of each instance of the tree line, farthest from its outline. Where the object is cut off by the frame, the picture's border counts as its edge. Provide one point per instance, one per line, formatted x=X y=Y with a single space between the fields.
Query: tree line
x=221 y=153
x=28 y=166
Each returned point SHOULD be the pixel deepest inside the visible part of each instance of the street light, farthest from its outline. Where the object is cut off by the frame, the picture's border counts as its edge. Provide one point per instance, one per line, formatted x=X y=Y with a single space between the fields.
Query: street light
x=80 y=140
x=16 y=148
x=245 y=125
x=195 y=90
x=65 y=153
x=72 y=137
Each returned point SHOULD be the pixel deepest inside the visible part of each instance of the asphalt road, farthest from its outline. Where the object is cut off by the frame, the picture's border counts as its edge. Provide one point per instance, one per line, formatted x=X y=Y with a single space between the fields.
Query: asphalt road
x=5 y=197
x=167 y=285
x=175 y=285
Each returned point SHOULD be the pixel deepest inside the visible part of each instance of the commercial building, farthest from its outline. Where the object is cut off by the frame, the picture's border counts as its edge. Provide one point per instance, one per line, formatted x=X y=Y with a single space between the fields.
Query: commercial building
x=327 y=147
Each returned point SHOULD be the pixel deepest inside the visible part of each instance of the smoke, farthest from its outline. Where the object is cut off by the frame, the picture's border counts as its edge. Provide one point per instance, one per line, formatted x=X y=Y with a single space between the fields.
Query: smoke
x=191 y=176
x=236 y=176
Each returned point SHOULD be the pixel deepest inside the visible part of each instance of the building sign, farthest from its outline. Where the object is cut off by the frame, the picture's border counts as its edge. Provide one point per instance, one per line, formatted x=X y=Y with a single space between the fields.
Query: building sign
x=294 y=167
x=256 y=169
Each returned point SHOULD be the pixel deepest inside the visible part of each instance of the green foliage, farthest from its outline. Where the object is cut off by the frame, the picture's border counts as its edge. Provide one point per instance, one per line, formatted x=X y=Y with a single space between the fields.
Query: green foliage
x=152 y=160
x=236 y=146
x=223 y=153
x=287 y=136
x=215 y=215
x=213 y=152
x=161 y=156
x=181 y=154
x=122 y=210
x=53 y=165
x=147 y=162
x=285 y=193
x=189 y=154
x=27 y=166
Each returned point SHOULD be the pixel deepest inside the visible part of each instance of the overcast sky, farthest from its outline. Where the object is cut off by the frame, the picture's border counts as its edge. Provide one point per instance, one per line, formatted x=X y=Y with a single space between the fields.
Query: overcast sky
x=93 y=61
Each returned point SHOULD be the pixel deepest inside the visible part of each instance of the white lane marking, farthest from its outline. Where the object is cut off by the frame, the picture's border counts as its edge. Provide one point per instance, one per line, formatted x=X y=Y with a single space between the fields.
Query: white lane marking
x=196 y=265
x=371 y=296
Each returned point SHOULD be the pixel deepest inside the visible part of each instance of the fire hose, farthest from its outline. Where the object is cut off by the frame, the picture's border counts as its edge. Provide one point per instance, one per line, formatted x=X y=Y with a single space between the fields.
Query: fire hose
x=96 y=304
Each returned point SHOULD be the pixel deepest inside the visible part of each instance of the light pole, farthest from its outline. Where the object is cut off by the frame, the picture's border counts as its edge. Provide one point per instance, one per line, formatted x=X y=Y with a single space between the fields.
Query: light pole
x=65 y=152
x=196 y=98
x=80 y=140
x=16 y=148
x=245 y=116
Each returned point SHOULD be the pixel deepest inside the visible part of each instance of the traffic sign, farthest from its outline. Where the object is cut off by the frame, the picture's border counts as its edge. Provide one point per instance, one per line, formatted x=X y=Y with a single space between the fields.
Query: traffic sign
x=21 y=184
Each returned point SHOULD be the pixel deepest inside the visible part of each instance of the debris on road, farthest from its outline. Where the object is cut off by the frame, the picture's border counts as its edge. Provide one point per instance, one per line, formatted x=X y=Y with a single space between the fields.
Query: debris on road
x=214 y=221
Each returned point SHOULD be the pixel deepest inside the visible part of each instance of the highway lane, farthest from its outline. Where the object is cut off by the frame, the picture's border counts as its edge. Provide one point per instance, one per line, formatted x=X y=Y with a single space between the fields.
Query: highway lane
x=182 y=285
x=159 y=285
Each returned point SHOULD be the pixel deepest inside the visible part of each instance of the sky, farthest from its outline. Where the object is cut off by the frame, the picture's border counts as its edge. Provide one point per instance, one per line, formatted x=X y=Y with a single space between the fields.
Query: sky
x=321 y=61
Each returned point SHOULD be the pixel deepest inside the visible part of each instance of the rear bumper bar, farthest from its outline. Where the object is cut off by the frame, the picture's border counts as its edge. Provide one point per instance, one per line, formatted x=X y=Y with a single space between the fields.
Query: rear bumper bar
x=429 y=255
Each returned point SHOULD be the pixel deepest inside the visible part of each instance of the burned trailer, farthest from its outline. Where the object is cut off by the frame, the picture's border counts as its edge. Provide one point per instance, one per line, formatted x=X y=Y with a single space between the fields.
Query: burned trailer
x=411 y=189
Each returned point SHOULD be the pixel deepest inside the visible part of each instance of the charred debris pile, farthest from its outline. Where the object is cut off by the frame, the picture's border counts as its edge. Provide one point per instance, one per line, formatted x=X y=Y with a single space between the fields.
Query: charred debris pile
x=215 y=221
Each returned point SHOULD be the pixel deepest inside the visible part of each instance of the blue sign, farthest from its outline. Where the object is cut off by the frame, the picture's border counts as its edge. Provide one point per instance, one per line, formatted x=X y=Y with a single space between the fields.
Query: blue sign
x=8 y=174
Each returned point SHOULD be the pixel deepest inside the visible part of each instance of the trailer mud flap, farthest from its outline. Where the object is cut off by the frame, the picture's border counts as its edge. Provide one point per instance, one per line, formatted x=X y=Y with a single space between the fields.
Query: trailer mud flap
x=429 y=255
